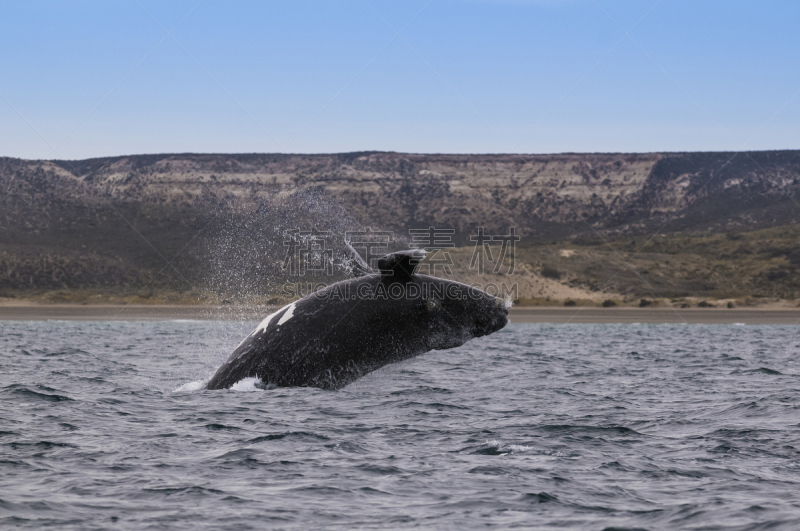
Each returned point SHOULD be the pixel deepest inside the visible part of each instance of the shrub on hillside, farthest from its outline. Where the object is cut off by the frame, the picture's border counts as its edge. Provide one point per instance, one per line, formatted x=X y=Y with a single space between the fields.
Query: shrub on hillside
x=549 y=272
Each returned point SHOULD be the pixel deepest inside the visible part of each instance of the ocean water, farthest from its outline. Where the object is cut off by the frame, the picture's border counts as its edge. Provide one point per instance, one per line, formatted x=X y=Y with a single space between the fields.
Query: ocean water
x=536 y=426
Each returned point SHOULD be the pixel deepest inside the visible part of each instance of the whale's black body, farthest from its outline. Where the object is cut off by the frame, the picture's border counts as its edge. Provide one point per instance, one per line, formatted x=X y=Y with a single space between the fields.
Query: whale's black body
x=332 y=337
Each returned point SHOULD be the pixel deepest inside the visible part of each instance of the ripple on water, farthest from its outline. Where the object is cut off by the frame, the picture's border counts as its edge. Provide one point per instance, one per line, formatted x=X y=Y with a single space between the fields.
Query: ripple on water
x=543 y=426
x=42 y=393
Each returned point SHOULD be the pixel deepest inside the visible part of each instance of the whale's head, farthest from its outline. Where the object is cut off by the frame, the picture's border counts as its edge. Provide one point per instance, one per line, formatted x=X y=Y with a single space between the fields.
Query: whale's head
x=489 y=314
x=462 y=313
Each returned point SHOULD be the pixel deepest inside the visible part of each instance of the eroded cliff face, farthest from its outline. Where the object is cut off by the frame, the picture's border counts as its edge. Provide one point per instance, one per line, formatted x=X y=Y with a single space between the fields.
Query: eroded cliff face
x=392 y=190
x=544 y=195
x=167 y=220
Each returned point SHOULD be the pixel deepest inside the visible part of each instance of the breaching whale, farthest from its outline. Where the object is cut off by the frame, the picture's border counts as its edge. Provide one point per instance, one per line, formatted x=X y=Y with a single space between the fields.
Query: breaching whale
x=348 y=329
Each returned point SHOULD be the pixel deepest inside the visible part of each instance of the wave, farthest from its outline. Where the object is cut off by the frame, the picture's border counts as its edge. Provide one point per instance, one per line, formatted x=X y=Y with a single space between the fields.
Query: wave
x=21 y=390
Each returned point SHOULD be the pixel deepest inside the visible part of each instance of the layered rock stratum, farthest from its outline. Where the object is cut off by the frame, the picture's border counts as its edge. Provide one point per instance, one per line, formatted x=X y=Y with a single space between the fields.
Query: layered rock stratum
x=130 y=220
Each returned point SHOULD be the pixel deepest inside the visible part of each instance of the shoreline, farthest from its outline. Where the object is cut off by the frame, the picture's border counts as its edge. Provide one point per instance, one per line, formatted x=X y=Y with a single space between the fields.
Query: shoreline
x=539 y=314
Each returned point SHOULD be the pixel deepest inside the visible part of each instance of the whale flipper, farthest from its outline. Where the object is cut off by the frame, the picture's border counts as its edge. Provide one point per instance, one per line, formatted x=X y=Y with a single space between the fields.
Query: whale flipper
x=358 y=267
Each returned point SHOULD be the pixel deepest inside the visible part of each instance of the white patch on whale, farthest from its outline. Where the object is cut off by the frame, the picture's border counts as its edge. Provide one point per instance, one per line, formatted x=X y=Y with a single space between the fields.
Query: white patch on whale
x=288 y=315
x=263 y=325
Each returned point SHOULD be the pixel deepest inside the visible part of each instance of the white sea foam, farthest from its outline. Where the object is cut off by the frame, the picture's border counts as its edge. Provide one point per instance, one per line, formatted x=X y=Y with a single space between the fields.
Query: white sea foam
x=245 y=384
x=521 y=448
x=508 y=447
x=191 y=386
x=251 y=383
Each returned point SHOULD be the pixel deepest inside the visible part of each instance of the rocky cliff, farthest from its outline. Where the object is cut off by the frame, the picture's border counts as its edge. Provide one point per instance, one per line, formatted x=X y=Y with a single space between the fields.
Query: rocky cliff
x=112 y=212
x=540 y=194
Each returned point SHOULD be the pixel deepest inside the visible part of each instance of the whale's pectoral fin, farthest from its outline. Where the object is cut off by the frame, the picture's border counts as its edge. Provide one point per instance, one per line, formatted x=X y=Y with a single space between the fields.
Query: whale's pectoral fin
x=358 y=267
x=402 y=264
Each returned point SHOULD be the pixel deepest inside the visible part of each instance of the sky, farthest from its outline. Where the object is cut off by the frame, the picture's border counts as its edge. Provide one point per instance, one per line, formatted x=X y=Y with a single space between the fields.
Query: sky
x=92 y=78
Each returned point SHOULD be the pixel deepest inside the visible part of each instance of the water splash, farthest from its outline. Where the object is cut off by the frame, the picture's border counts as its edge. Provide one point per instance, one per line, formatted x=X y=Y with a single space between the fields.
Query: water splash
x=190 y=387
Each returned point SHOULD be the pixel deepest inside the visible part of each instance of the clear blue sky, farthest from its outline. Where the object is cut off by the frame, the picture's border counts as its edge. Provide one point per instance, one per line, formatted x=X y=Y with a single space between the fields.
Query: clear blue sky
x=101 y=77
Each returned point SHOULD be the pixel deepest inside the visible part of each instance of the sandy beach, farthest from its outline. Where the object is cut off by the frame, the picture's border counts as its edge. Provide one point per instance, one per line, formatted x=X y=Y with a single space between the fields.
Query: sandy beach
x=36 y=312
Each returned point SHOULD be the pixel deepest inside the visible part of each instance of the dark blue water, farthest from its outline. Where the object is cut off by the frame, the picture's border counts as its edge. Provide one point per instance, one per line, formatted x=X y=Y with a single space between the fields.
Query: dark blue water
x=537 y=426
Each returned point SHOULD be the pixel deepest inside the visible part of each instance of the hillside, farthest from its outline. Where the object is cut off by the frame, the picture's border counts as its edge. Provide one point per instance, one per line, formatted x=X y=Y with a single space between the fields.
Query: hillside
x=188 y=223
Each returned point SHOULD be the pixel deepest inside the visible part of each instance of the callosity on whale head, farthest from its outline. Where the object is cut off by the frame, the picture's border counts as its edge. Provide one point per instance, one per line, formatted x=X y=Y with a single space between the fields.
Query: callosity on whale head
x=486 y=313
x=336 y=335
x=463 y=313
